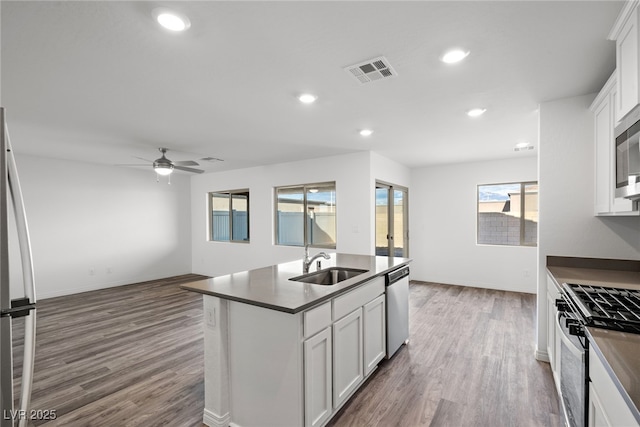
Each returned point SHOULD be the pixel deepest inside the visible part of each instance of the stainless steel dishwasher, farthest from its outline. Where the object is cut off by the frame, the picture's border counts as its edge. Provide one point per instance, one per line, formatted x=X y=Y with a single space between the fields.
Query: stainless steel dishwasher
x=397 y=309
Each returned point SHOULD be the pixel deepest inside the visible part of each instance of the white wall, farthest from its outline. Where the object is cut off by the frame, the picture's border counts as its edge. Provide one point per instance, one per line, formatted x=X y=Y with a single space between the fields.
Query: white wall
x=566 y=169
x=354 y=204
x=443 y=215
x=86 y=217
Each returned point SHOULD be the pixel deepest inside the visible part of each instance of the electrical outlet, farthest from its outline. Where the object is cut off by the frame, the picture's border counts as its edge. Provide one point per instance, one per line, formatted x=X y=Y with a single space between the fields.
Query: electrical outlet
x=211 y=317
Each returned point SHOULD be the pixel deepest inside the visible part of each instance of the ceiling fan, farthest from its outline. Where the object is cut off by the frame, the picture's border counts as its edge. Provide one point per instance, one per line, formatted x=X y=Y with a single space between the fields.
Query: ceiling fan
x=164 y=166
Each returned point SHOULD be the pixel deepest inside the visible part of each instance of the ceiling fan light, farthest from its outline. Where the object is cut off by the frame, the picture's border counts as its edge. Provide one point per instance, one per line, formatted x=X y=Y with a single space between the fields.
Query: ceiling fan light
x=163 y=169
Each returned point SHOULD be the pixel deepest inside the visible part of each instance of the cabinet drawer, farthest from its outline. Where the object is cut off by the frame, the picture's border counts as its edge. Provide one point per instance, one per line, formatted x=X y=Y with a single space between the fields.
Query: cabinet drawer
x=358 y=297
x=317 y=319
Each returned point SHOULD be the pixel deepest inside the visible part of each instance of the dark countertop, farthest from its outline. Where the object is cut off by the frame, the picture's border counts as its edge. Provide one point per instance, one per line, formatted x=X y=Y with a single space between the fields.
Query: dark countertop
x=271 y=288
x=595 y=271
x=619 y=351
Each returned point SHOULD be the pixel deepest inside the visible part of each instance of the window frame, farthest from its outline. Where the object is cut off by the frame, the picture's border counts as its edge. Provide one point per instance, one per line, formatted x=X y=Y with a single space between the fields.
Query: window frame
x=304 y=188
x=229 y=194
x=523 y=185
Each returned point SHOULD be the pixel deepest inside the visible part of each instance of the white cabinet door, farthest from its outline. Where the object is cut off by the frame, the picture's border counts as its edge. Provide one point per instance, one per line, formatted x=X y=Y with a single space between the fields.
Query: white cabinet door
x=597 y=416
x=607 y=407
x=627 y=65
x=606 y=202
x=604 y=150
x=374 y=333
x=317 y=378
x=551 y=331
x=347 y=356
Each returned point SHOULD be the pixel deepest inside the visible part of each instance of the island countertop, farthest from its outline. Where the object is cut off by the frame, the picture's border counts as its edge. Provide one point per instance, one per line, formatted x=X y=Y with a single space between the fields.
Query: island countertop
x=271 y=288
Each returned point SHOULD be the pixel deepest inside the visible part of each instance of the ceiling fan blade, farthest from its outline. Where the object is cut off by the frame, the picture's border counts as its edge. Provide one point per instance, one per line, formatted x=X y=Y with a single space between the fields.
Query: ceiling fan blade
x=130 y=164
x=182 y=168
x=140 y=158
x=186 y=163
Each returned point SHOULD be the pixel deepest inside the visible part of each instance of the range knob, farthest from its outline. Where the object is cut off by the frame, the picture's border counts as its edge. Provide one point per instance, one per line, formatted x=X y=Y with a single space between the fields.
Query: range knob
x=570 y=322
x=561 y=305
x=576 y=329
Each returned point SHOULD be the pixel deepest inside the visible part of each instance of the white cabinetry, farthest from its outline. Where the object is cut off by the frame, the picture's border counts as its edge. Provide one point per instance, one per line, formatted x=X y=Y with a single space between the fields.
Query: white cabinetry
x=604 y=124
x=345 y=339
x=552 y=333
x=358 y=337
x=374 y=333
x=347 y=355
x=317 y=378
x=607 y=407
x=297 y=369
x=625 y=33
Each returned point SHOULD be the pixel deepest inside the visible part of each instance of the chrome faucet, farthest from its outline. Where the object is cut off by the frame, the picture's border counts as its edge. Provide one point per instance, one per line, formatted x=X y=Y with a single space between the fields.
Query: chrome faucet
x=306 y=262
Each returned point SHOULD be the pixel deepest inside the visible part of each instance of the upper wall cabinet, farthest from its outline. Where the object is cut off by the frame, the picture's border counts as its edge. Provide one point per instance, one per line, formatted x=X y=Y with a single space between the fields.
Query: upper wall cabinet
x=625 y=33
x=603 y=108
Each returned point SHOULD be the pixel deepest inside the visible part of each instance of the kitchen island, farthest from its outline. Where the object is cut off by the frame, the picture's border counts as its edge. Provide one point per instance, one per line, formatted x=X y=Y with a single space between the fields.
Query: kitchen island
x=288 y=353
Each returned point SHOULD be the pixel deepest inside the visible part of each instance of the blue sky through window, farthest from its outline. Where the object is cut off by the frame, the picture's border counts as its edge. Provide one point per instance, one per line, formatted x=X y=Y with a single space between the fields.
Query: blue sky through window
x=497 y=192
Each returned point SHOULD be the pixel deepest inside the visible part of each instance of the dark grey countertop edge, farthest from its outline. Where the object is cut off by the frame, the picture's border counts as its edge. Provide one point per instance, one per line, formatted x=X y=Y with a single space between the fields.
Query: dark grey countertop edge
x=303 y=307
x=623 y=392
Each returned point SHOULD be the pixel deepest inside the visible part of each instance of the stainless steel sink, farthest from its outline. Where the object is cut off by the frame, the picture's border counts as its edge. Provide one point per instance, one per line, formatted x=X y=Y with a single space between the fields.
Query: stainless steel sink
x=329 y=276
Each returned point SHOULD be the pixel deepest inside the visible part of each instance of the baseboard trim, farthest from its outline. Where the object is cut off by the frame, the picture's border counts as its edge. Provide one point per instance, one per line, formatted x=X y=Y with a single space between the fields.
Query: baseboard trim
x=214 y=420
x=98 y=286
x=542 y=356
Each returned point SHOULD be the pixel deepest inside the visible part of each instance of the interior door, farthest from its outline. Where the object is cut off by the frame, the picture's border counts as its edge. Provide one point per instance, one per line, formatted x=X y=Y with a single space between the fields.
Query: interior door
x=392 y=219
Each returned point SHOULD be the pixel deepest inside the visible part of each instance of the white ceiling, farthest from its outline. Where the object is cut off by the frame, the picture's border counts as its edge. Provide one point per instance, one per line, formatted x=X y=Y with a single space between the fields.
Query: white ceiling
x=101 y=82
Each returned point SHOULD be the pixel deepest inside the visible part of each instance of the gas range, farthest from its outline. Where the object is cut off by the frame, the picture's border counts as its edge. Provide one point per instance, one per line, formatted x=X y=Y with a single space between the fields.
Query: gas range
x=581 y=306
x=602 y=307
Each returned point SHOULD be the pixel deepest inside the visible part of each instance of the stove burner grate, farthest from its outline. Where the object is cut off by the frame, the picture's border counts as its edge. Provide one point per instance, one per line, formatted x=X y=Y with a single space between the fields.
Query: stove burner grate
x=609 y=308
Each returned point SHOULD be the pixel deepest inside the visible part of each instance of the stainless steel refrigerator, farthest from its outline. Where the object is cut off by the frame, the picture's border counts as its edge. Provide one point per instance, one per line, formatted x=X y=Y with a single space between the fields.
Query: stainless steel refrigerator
x=22 y=305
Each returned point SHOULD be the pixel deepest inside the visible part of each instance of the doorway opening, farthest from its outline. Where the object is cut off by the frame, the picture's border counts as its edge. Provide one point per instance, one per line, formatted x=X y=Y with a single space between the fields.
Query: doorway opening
x=392 y=220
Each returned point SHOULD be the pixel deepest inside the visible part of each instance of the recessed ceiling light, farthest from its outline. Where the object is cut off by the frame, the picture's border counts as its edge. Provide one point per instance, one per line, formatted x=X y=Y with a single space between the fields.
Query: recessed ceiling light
x=454 y=55
x=475 y=112
x=171 y=20
x=307 y=98
x=522 y=144
x=366 y=132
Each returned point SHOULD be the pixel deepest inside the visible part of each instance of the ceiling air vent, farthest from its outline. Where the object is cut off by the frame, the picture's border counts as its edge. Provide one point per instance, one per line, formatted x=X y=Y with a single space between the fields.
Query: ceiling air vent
x=525 y=148
x=371 y=70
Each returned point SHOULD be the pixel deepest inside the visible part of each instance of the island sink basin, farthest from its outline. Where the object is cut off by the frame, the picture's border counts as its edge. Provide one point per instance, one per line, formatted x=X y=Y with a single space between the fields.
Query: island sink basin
x=329 y=276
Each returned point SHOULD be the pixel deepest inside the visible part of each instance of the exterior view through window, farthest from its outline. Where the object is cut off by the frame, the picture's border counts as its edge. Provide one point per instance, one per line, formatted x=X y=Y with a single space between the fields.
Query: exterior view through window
x=508 y=214
x=229 y=216
x=306 y=215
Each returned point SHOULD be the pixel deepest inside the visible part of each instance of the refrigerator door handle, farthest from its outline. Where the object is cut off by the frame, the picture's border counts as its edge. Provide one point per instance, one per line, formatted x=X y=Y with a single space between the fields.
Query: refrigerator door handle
x=21 y=222
x=28 y=279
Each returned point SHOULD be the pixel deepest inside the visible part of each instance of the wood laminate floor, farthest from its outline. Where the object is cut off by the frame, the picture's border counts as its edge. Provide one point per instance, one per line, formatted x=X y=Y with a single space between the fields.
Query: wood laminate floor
x=470 y=362
x=133 y=356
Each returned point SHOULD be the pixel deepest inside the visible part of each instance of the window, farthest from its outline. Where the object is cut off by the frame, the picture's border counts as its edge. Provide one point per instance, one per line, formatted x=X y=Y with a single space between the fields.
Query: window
x=508 y=214
x=229 y=216
x=306 y=215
